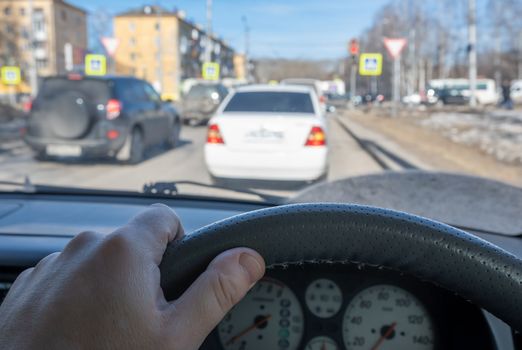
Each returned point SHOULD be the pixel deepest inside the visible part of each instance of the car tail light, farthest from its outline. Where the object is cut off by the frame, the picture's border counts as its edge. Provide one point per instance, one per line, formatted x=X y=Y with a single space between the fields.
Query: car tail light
x=214 y=135
x=27 y=106
x=113 y=109
x=322 y=99
x=74 y=76
x=113 y=134
x=316 y=137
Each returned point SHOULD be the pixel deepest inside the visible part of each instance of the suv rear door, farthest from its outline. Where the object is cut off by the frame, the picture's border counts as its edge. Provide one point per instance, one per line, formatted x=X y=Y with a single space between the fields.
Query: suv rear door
x=68 y=108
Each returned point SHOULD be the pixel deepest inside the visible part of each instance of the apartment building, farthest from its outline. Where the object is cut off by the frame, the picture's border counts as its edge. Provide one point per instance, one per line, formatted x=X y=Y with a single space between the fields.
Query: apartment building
x=163 y=47
x=57 y=37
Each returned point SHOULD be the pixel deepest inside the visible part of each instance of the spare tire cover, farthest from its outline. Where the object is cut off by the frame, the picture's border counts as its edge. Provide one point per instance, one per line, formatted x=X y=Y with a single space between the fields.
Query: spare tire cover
x=67 y=115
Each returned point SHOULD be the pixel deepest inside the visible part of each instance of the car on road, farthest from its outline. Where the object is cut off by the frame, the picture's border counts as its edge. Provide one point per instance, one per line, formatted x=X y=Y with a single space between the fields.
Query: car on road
x=267 y=132
x=113 y=116
x=311 y=83
x=201 y=101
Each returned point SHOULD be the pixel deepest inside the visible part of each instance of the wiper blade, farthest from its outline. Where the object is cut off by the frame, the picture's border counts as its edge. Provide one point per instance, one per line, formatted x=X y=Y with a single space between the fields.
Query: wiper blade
x=26 y=186
x=171 y=189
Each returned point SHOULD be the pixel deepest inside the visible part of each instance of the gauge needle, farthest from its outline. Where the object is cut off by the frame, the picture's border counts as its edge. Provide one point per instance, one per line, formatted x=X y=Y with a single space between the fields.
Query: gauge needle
x=388 y=332
x=248 y=329
x=323 y=347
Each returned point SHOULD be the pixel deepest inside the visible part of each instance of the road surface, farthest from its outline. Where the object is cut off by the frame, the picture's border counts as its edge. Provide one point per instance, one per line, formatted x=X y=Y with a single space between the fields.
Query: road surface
x=348 y=157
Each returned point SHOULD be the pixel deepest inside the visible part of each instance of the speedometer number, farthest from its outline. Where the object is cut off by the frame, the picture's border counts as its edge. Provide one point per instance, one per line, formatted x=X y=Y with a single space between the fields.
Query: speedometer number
x=387 y=317
x=268 y=317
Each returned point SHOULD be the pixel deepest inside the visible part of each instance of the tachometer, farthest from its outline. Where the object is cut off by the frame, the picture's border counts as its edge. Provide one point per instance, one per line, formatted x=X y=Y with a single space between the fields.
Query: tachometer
x=387 y=317
x=269 y=317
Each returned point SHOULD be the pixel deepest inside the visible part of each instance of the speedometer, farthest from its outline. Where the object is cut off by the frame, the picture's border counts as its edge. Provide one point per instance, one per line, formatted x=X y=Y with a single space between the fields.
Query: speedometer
x=268 y=317
x=387 y=317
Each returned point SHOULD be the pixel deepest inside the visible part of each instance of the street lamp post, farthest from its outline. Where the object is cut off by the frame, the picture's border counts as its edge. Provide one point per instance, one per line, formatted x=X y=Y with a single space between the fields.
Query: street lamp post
x=159 y=52
x=472 y=51
x=208 y=46
x=247 y=47
x=33 y=73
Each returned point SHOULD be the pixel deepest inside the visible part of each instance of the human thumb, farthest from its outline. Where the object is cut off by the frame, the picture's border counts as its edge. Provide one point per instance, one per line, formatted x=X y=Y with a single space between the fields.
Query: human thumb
x=225 y=282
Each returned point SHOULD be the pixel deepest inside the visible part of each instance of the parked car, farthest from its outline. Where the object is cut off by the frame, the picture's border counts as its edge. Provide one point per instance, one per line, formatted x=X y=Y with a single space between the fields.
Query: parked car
x=77 y=116
x=340 y=101
x=452 y=96
x=202 y=100
x=267 y=132
x=457 y=91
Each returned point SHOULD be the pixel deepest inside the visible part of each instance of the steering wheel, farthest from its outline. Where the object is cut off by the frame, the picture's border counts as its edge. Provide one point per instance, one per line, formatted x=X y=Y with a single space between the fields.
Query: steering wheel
x=339 y=233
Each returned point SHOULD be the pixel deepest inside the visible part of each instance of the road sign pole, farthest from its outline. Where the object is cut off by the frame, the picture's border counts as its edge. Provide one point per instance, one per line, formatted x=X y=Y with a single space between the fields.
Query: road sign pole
x=353 y=80
x=396 y=84
x=12 y=95
x=394 y=47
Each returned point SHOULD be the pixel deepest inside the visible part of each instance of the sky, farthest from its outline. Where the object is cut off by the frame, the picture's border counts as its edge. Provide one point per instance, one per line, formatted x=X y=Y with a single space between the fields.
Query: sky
x=295 y=29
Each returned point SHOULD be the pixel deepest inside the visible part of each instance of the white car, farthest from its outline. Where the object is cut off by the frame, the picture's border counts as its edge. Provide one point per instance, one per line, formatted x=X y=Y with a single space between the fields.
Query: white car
x=266 y=132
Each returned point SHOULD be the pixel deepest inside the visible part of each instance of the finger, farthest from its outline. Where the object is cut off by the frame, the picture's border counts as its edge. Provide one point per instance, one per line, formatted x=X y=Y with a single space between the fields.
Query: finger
x=153 y=229
x=225 y=282
x=45 y=261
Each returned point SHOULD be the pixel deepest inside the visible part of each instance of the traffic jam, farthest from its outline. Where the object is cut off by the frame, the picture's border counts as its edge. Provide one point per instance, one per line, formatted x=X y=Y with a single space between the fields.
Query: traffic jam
x=248 y=118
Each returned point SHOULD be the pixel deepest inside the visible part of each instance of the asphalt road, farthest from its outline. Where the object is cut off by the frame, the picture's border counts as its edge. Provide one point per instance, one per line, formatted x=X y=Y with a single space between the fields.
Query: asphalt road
x=347 y=158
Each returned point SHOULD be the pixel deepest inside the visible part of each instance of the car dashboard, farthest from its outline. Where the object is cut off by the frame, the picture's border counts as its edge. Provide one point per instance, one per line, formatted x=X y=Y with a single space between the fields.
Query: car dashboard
x=309 y=306
x=346 y=306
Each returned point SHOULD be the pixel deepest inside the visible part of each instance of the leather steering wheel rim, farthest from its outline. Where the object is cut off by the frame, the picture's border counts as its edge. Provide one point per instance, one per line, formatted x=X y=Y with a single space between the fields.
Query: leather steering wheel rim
x=476 y=270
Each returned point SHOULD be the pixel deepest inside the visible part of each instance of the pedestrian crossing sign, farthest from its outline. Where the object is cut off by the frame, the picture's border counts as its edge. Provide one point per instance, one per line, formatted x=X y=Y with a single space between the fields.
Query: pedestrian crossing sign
x=11 y=75
x=210 y=71
x=95 y=65
x=370 y=64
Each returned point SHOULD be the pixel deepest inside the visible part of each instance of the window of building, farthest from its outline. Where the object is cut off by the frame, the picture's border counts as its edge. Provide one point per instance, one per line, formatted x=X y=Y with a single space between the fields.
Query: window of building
x=41 y=63
x=38 y=21
x=132 y=56
x=157 y=40
x=64 y=15
x=132 y=41
x=7 y=11
x=22 y=11
x=9 y=28
x=132 y=26
x=157 y=26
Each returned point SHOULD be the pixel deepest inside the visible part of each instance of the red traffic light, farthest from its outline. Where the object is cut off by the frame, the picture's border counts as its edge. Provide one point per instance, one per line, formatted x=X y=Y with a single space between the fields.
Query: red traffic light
x=353 y=47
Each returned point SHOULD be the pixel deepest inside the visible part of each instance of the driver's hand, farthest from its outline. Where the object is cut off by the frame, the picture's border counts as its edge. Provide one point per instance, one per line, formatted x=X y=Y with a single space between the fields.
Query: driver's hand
x=103 y=292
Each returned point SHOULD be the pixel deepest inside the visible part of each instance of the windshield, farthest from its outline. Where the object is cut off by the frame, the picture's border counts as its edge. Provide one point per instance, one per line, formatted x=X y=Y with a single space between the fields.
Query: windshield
x=257 y=100
x=282 y=102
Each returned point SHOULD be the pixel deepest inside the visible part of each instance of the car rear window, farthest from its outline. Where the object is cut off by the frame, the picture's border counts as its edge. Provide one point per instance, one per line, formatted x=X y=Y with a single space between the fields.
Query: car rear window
x=268 y=101
x=199 y=91
x=97 y=91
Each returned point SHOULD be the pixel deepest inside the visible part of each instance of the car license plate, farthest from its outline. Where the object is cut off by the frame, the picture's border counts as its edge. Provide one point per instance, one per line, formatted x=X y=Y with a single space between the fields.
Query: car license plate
x=64 y=150
x=264 y=136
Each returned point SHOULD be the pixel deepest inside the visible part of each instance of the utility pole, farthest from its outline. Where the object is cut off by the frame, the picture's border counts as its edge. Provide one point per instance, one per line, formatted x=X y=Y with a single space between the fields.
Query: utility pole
x=520 y=55
x=246 y=29
x=412 y=49
x=496 y=34
x=208 y=46
x=472 y=51
x=159 y=52
x=33 y=73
